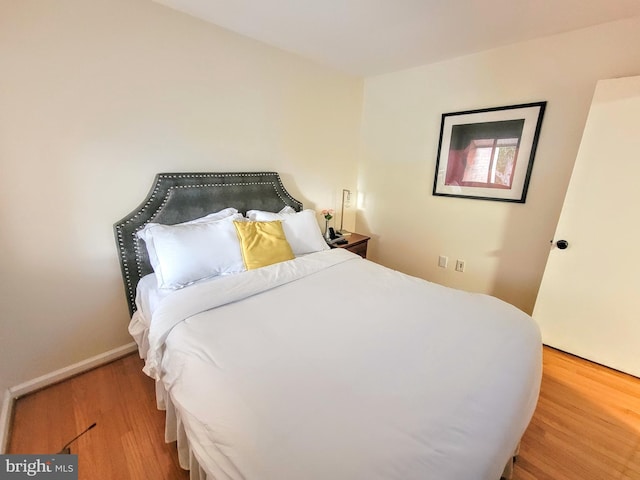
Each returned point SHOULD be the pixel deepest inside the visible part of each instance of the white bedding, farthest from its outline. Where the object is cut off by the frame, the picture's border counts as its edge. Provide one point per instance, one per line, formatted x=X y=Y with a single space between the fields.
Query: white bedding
x=332 y=367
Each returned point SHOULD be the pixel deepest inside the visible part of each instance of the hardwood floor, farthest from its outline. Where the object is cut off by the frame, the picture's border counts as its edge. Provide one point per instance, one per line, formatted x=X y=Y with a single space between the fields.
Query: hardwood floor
x=586 y=426
x=128 y=440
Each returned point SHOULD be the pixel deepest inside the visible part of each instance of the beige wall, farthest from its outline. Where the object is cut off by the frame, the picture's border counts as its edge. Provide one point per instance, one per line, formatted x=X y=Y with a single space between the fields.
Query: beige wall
x=95 y=99
x=505 y=246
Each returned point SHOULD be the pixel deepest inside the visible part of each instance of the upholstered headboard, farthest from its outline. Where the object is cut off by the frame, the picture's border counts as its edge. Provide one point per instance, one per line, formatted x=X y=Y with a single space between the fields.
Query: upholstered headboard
x=180 y=197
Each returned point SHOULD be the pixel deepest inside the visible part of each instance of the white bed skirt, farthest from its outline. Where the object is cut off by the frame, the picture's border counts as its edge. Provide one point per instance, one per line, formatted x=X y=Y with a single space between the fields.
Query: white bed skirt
x=174 y=431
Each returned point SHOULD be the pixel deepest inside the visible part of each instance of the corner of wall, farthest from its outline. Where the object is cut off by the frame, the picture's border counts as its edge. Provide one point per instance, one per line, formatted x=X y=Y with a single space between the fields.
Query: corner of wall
x=11 y=394
x=5 y=419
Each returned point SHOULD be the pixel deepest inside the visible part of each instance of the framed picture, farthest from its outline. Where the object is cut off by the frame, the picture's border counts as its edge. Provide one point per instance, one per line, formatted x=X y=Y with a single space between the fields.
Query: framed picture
x=488 y=154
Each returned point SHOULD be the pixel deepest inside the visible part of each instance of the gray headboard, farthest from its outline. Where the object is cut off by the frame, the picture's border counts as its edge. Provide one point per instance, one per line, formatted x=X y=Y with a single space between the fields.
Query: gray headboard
x=179 y=197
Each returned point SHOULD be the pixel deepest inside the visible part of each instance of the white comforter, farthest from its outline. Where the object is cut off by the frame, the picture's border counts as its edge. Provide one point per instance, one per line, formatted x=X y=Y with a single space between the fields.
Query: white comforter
x=332 y=367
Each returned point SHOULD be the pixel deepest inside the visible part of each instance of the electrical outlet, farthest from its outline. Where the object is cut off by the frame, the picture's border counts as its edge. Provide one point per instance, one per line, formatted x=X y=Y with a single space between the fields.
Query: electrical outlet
x=459 y=265
x=443 y=261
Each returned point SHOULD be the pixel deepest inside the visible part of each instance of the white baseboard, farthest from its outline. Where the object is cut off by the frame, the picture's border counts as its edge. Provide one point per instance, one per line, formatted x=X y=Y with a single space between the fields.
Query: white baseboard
x=11 y=394
x=5 y=419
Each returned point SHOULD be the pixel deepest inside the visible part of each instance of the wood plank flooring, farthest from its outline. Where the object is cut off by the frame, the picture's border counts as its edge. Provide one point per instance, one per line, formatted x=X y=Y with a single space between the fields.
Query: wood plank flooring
x=586 y=426
x=128 y=440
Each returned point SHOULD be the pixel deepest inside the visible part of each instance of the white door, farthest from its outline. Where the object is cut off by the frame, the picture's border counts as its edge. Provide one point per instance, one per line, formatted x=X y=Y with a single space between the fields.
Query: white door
x=589 y=299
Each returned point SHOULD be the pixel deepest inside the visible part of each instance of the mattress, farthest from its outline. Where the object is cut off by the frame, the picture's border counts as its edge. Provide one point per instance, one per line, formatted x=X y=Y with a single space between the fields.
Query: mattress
x=333 y=367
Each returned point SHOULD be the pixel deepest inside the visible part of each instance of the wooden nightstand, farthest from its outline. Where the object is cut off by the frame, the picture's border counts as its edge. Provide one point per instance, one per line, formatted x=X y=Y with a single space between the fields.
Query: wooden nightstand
x=356 y=243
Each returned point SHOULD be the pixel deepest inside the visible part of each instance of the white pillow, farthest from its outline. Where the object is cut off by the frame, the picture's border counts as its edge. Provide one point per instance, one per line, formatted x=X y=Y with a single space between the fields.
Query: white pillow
x=301 y=229
x=286 y=209
x=189 y=252
x=143 y=234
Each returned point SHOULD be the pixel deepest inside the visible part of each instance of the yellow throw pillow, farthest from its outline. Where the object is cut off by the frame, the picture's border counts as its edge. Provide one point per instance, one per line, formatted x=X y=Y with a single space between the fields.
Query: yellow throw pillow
x=263 y=243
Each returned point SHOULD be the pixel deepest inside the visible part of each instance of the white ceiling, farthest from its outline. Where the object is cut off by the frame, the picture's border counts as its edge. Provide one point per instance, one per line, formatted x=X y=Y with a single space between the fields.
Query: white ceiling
x=369 y=37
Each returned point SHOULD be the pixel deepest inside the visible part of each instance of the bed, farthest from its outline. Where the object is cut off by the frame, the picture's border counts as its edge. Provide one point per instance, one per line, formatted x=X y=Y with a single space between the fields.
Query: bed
x=313 y=363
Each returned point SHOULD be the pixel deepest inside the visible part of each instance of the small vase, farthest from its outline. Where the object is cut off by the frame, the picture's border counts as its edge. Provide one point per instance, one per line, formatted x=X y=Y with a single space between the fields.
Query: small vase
x=326 y=230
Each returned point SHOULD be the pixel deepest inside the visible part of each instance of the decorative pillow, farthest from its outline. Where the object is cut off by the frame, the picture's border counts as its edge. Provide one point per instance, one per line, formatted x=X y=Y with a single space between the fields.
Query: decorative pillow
x=151 y=251
x=192 y=251
x=263 y=243
x=300 y=228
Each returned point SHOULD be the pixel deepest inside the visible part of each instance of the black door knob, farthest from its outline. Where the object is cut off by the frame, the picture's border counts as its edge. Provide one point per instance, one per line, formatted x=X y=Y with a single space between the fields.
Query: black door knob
x=562 y=244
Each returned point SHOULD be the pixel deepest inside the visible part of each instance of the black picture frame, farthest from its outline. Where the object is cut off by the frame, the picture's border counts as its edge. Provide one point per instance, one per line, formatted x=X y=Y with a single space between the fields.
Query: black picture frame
x=488 y=154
